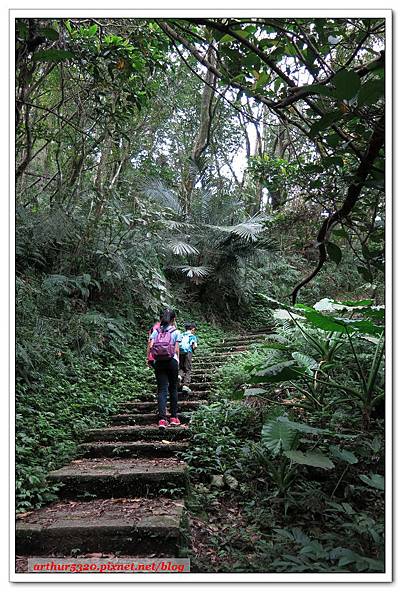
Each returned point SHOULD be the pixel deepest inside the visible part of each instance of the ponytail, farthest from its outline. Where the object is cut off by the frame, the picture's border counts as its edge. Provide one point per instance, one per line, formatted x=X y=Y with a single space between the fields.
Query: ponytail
x=167 y=317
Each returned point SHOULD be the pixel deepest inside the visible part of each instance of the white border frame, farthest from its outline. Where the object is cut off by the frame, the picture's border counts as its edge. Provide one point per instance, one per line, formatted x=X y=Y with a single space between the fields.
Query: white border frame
x=385 y=577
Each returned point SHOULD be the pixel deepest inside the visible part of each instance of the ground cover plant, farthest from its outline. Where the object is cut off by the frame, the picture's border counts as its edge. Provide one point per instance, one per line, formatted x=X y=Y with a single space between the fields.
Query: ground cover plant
x=300 y=466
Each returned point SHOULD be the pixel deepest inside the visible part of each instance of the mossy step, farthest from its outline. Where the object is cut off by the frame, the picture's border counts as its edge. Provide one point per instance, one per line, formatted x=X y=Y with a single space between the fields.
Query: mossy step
x=124 y=449
x=246 y=337
x=218 y=359
x=144 y=418
x=182 y=396
x=132 y=433
x=117 y=478
x=217 y=351
x=145 y=407
x=197 y=385
x=228 y=348
x=202 y=373
x=129 y=526
x=202 y=364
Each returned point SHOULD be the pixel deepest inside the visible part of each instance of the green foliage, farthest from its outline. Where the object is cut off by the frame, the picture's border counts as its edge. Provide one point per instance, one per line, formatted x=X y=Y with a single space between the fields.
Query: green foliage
x=331 y=362
x=216 y=447
x=278 y=175
x=53 y=414
x=310 y=452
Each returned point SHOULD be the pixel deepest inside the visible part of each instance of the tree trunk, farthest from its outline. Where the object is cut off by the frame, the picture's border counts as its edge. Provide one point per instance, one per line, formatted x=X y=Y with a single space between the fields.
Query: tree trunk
x=203 y=137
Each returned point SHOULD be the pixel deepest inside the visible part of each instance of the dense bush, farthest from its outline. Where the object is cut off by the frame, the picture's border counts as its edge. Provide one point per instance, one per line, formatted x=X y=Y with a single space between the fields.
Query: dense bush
x=298 y=460
x=53 y=413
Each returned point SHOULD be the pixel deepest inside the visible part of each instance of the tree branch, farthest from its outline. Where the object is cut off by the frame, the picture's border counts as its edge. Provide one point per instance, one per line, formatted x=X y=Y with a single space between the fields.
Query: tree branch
x=354 y=190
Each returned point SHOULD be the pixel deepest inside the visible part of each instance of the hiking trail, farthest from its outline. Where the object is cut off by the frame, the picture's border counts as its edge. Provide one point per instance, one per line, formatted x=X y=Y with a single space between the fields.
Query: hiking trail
x=125 y=494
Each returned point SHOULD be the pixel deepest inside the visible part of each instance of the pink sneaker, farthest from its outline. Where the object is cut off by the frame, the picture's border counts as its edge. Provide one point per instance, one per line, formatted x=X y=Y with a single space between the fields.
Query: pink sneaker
x=163 y=424
x=174 y=421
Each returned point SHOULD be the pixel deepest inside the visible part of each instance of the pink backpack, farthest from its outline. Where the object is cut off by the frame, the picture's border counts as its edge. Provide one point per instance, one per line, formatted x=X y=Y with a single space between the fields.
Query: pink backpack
x=164 y=346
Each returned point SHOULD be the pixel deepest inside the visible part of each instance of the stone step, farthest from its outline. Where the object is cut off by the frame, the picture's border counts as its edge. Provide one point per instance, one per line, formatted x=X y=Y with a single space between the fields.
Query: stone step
x=217 y=360
x=246 y=337
x=144 y=418
x=223 y=343
x=134 y=449
x=204 y=373
x=198 y=385
x=182 y=396
x=202 y=364
x=132 y=433
x=215 y=352
x=146 y=407
x=117 y=478
x=224 y=348
x=137 y=525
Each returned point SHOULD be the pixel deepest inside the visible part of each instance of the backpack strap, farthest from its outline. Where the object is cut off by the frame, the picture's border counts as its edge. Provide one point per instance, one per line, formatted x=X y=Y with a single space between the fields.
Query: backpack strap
x=170 y=329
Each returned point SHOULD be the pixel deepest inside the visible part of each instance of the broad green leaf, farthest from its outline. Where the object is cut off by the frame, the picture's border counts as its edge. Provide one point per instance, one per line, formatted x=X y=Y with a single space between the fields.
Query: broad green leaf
x=324 y=322
x=371 y=92
x=283 y=371
x=373 y=480
x=347 y=84
x=365 y=274
x=52 y=55
x=48 y=33
x=300 y=426
x=324 y=122
x=327 y=323
x=312 y=459
x=321 y=90
x=334 y=252
x=362 y=325
x=368 y=302
x=92 y=30
x=277 y=436
x=227 y=38
x=244 y=33
x=250 y=392
x=307 y=362
x=344 y=455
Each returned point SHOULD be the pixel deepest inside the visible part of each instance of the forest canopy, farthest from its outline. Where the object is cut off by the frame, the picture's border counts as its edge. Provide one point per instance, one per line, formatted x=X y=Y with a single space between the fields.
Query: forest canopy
x=105 y=114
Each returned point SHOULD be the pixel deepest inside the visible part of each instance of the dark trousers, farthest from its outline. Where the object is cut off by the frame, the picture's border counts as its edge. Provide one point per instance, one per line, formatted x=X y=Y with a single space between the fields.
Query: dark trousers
x=167 y=383
x=185 y=367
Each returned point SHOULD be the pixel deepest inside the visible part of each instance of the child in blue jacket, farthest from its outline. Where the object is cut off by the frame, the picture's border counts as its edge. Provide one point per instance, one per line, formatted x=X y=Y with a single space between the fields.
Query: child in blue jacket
x=188 y=344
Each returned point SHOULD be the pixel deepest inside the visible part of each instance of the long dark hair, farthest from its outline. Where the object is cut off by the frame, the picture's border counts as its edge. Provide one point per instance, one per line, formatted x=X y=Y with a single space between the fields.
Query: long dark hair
x=167 y=317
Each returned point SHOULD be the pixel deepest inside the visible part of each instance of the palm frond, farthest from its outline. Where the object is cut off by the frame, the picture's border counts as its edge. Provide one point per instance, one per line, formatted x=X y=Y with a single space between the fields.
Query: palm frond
x=182 y=248
x=191 y=271
x=247 y=231
x=157 y=191
x=173 y=225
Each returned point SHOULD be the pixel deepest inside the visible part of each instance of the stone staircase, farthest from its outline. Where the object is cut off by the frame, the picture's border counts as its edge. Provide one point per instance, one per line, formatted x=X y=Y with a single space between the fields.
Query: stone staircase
x=125 y=493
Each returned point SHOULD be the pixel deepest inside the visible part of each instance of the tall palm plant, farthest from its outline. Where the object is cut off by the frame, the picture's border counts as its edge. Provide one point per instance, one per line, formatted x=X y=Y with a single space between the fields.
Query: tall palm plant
x=213 y=246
